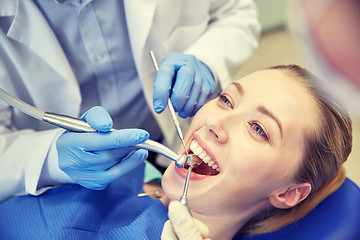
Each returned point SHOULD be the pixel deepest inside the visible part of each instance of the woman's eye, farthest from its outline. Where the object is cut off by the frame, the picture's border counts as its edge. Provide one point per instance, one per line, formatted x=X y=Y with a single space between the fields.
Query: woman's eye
x=259 y=131
x=224 y=100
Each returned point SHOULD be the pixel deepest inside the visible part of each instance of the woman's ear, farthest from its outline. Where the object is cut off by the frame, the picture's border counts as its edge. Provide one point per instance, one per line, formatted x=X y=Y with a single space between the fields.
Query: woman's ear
x=291 y=196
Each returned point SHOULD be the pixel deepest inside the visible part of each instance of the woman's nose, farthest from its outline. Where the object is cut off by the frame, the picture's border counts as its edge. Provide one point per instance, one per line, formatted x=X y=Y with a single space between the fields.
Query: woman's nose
x=216 y=127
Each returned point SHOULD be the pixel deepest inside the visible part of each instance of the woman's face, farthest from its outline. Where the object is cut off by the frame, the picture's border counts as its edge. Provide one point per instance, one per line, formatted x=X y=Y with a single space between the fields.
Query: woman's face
x=254 y=134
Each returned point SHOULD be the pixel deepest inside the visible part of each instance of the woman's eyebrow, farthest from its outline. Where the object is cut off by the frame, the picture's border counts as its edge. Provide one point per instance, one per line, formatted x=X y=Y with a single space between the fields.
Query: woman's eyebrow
x=261 y=109
x=239 y=88
x=265 y=111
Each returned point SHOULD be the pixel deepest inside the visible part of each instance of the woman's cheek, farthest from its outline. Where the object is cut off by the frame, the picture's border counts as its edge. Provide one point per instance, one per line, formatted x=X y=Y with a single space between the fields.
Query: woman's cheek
x=208 y=110
x=170 y=184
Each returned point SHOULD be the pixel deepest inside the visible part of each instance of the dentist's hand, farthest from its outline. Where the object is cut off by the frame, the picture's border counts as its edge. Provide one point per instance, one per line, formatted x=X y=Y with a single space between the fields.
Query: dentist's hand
x=94 y=160
x=182 y=225
x=187 y=80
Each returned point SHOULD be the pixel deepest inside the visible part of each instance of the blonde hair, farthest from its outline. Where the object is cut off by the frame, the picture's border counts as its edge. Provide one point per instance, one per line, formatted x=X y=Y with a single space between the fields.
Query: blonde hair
x=327 y=149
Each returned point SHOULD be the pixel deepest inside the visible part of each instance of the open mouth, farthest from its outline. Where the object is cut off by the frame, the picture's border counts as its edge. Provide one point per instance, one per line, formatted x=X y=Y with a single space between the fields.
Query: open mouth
x=208 y=166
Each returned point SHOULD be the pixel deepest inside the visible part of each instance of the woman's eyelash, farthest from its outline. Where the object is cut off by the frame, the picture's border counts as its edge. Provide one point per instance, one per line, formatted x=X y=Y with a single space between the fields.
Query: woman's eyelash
x=258 y=129
x=225 y=100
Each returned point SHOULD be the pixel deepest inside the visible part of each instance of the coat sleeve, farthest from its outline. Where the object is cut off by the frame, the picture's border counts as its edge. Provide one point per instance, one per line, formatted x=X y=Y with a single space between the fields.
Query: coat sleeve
x=26 y=155
x=23 y=155
x=230 y=39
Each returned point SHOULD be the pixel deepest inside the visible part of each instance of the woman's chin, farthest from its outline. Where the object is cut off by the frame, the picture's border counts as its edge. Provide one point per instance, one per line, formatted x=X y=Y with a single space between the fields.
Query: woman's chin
x=171 y=185
x=172 y=194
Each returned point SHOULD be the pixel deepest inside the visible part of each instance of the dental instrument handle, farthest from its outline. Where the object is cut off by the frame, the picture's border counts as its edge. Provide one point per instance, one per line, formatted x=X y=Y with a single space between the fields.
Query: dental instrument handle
x=67 y=122
x=183 y=198
x=171 y=108
x=176 y=123
x=154 y=60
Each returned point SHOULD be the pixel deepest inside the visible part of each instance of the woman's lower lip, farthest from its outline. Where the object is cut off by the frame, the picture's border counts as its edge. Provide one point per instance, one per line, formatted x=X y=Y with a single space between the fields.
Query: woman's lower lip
x=182 y=172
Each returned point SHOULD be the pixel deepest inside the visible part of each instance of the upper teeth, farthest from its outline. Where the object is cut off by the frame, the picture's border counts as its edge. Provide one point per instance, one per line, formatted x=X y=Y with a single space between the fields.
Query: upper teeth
x=198 y=151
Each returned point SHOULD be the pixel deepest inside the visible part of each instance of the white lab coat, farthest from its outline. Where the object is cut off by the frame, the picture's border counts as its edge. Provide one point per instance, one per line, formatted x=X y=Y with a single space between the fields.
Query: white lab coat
x=34 y=67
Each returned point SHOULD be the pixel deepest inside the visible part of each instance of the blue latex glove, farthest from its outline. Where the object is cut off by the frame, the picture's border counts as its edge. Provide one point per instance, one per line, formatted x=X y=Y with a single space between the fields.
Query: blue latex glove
x=187 y=80
x=94 y=160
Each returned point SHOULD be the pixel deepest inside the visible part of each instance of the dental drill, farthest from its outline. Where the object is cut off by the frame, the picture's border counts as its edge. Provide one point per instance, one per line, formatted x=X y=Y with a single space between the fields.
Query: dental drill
x=78 y=125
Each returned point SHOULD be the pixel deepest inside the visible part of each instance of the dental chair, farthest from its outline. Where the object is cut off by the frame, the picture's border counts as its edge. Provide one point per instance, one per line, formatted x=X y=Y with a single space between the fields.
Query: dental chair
x=336 y=218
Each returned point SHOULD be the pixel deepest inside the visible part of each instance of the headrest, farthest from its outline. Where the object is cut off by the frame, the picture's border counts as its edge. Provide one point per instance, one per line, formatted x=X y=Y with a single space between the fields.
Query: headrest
x=336 y=217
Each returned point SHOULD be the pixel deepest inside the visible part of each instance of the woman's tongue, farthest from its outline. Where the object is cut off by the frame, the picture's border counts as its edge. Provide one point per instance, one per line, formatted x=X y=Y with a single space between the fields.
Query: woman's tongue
x=205 y=169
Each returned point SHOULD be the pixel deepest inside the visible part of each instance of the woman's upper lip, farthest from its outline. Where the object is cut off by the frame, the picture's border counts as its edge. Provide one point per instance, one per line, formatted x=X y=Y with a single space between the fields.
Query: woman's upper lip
x=205 y=147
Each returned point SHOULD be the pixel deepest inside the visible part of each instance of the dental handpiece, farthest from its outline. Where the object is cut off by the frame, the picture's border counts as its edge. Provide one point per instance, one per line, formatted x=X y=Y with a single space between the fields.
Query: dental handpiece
x=171 y=108
x=78 y=125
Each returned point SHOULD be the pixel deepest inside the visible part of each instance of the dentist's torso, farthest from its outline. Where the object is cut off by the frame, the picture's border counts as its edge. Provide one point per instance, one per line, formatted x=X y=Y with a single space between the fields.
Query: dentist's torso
x=36 y=69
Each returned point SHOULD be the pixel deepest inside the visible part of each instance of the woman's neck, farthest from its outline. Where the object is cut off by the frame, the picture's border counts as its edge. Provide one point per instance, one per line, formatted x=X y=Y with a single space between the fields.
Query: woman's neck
x=226 y=226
